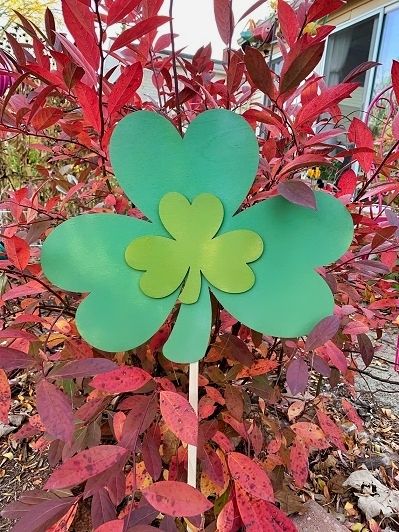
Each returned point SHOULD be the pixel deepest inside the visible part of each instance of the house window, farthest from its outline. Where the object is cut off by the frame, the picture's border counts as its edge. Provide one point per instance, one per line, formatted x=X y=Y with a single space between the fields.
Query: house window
x=346 y=49
x=389 y=50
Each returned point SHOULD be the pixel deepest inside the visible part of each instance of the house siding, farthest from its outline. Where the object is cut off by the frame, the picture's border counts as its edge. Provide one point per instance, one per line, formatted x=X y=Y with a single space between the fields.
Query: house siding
x=354 y=9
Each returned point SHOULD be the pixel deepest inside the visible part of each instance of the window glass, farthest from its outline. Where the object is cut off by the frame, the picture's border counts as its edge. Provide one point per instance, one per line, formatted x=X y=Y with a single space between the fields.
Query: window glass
x=346 y=49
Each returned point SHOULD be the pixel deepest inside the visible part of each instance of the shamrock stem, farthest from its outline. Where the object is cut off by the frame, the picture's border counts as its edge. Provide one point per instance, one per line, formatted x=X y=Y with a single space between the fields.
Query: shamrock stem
x=192 y=287
x=190 y=335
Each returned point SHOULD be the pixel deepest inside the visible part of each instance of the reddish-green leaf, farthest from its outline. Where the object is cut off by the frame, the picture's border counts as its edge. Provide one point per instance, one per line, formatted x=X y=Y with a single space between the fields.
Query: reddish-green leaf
x=366 y=349
x=259 y=72
x=84 y=465
x=18 y=251
x=139 y=30
x=13 y=359
x=55 y=411
x=176 y=498
x=46 y=117
x=5 y=397
x=299 y=464
x=298 y=64
x=310 y=434
x=179 y=416
x=224 y=19
x=322 y=8
x=250 y=476
x=288 y=22
x=234 y=401
x=119 y=9
x=332 y=431
x=121 y=380
x=352 y=414
x=297 y=375
x=84 y=368
x=322 y=332
x=88 y=100
x=125 y=87
x=297 y=192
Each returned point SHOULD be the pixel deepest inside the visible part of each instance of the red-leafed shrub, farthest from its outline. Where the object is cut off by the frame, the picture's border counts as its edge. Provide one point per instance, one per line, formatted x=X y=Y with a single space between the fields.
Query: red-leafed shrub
x=111 y=434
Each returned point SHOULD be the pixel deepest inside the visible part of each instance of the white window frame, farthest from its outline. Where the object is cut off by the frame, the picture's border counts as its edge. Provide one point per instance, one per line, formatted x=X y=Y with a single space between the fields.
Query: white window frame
x=379 y=13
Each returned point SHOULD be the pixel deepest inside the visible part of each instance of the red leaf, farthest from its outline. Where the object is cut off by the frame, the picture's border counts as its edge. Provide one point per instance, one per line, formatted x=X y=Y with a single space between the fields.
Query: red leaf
x=29 y=289
x=84 y=465
x=359 y=70
x=51 y=77
x=117 y=525
x=297 y=192
x=259 y=515
x=310 y=434
x=125 y=87
x=139 y=30
x=13 y=359
x=250 y=476
x=299 y=464
x=366 y=349
x=259 y=72
x=229 y=519
x=321 y=8
x=288 y=22
x=179 y=416
x=331 y=430
x=347 y=183
x=298 y=64
x=212 y=466
x=176 y=498
x=121 y=380
x=304 y=161
x=138 y=420
x=297 y=376
x=79 y=20
x=395 y=78
x=119 y=9
x=336 y=356
x=224 y=19
x=84 y=368
x=64 y=524
x=88 y=100
x=102 y=509
x=151 y=456
x=323 y=331
x=41 y=516
x=18 y=252
x=362 y=137
x=395 y=126
x=352 y=414
x=5 y=397
x=327 y=99
x=46 y=117
x=251 y=9
x=55 y=411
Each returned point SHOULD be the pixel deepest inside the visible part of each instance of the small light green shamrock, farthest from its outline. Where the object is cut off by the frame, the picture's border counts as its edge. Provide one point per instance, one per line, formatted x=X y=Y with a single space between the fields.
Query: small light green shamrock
x=260 y=263
x=194 y=250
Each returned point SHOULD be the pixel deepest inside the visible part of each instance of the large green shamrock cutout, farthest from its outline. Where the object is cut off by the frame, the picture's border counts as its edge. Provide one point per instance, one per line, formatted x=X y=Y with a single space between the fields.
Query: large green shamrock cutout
x=260 y=263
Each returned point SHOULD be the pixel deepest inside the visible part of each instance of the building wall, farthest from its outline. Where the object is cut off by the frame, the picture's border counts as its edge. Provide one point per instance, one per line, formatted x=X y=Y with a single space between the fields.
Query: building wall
x=354 y=9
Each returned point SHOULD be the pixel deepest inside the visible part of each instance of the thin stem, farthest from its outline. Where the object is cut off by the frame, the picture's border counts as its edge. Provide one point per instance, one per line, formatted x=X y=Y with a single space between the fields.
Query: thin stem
x=175 y=78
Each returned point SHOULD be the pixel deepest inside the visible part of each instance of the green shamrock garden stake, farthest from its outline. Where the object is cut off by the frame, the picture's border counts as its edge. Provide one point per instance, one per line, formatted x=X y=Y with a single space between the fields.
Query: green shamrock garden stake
x=260 y=263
